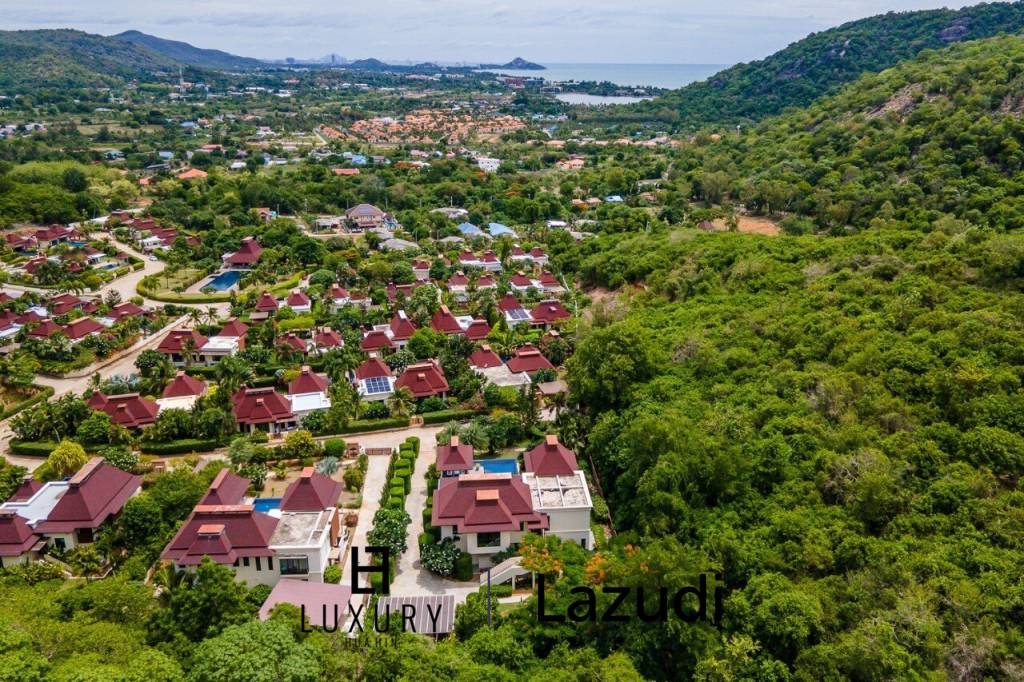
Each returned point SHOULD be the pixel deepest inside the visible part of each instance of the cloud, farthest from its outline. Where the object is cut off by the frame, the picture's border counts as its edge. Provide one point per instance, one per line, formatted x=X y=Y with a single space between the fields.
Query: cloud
x=652 y=31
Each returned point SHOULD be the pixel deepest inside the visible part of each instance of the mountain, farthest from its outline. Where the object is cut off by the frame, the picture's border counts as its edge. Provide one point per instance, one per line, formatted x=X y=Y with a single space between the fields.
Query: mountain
x=189 y=54
x=67 y=58
x=932 y=143
x=822 y=62
x=517 y=64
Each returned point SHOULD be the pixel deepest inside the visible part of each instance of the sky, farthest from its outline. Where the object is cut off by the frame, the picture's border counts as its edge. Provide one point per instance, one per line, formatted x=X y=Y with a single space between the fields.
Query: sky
x=552 y=31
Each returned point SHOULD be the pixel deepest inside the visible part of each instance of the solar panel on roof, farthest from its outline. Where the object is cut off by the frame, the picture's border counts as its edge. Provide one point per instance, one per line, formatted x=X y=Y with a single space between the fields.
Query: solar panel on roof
x=378 y=385
x=518 y=314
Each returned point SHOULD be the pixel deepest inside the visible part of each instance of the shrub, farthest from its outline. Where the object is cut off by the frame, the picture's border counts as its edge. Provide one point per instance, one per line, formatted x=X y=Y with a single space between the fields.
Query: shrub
x=442 y=559
x=334 y=447
x=396 y=491
x=332 y=574
x=376 y=410
x=428 y=512
x=365 y=425
x=463 y=566
x=121 y=457
x=415 y=442
x=354 y=477
x=363 y=461
x=397 y=482
x=32 y=448
x=444 y=416
x=425 y=538
x=600 y=510
x=396 y=503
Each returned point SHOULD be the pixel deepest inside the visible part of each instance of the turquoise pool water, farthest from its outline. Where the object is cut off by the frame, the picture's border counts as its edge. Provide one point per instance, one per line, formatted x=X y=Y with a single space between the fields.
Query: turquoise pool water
x=265 y=504
x=224 y=280
x=498 y=466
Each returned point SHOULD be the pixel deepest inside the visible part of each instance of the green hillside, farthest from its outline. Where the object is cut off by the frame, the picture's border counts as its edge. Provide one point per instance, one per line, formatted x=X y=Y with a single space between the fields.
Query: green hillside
x=822 y=62
x=67 y=58
x=936 y=138
x=188 y=54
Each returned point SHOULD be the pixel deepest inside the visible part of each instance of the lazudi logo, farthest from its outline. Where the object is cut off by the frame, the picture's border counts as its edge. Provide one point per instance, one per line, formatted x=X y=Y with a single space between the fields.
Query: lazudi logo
x=585 y=608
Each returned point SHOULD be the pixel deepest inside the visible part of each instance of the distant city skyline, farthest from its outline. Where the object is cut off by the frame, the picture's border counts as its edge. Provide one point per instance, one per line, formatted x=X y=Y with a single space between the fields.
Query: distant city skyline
x=553 y=31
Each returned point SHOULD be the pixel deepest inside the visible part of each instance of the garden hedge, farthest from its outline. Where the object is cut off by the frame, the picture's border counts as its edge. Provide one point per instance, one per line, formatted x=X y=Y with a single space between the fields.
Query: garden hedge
x=396 y=491
x=366 y=425
x=464 y=567
x=425 y=539
x=32 y=448
x=444 y=416
x=179 y=447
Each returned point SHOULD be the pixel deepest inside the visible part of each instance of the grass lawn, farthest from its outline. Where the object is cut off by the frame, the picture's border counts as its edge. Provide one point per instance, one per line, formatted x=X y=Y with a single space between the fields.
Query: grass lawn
x=12 y=396
x=185 y=277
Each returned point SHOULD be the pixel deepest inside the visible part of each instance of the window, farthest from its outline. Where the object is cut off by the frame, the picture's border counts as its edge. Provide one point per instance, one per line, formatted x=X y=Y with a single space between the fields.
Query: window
x=85 y=535
x=258 y=567
x=270 y=563
x=488 y=539
x=59 y=543
x=245 y=561
x=298 y=566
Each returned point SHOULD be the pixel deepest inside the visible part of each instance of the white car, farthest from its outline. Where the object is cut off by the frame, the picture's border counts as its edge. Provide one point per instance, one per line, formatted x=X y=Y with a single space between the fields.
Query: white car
x=153 y=258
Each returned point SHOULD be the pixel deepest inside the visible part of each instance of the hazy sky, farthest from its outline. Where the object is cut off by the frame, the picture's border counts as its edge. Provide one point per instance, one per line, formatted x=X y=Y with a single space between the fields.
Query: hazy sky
x=637 y=31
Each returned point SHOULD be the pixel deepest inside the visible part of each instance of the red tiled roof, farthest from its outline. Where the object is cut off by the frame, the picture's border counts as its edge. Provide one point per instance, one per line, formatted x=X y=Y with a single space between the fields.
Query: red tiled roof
x=183 y=386
x=126 y=309
x=509 y=302
x=45 y=329
x=222 y=532
x=297 y=299
x=484 y=357
x=29 y=487
x=528 y=359
x=478 y=330
x=267 y=303
x=549 y=311
x=65 y=303
x=375 y=340
x=98 y=491
x=455 y=456
x=192 y=174
x=261 y=406
x=537 y=252
x=226 y=488
x=485 y=503
x=551 y=458
x=423 y=379
x=520 y=280
x=247 y=254
x=234 y=329
x=81 y=328
x=16 y=537
x=372 y=367
x=308 y=381
x=444 y=322
x=312 y=491
x=174 y=342
x=129 y=410
x=484 y=282
x=27 y=317
x=337 y=293
x=458 y=280
x=294 y=341
x=328 y=338
x=401 y=326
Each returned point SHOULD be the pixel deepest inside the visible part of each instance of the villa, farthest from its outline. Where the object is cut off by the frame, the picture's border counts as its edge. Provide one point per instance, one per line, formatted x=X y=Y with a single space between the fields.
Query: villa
x=129 y=410
x=246 y=257
x=64 y=514
x=424 y=379
x=227 y=342
x=549 y=312
x=528 y=359
x=262 y=409
x=365 y=217
x=183 y=346
x=308 y=392
x=299 y=302
x=374 y=380
x=182 y=393
x=513 y=310
x=455 y=458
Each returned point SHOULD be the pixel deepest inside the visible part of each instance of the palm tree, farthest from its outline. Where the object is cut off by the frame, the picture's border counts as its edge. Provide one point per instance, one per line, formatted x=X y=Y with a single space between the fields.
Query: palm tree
x=188 y=349
x=401 y=403
x=170 y=580
x=195 y=316
x=232 y=373
x=212 y=315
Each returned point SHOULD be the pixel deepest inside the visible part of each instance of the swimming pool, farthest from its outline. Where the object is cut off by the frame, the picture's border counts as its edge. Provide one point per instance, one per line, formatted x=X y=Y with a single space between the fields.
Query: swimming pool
x=224 y=280
x=265 y=504
x=498 y=466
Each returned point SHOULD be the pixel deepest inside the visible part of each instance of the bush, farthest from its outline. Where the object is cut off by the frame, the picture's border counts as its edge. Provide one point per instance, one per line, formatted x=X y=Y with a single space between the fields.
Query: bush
x=425 y=539
x=397 y=482
x=497 y=591
x=463 y=566
x=366 y=425
x=445 y=416
x=396 y=503
x=178 y=447
x=396 y=491
x=600 y=510
x=415 y=442
x=376 y=410
x=32 y=448
x=334 y=447
x=332 y=574
x=442 y=559
x=428 y=513
x=354 y=477
x=43 y=394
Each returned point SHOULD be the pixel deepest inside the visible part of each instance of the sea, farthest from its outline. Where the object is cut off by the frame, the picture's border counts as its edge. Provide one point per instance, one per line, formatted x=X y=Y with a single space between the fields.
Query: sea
x=635 y=75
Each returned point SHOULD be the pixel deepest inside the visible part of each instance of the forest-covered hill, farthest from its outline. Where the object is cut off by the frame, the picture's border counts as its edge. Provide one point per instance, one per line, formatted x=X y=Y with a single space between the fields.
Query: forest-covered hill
x=822 y=62
x=188 y=54
x=938 y=137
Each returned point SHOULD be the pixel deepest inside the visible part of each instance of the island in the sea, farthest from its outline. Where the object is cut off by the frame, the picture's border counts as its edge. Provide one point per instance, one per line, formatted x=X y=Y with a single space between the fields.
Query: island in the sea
x=517 y=64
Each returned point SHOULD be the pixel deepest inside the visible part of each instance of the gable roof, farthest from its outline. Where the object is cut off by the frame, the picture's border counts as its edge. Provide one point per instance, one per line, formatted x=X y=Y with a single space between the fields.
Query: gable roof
x=183 y=386
x=98 y=491
x=16 y=537
x=311 y=491
x=222 y=532
x=550 y=458
x=225 y=488
x=528 y=359
x=423 y=379
x=485 y=503
x=484 y=357
x=308 y=381
x=46 y=329
x=455 y=456
x=234 y=329
x=372 y=367
x=292 y=339
x=174 y=342
x=260 y=406
x=82 y=327
x=129 y=410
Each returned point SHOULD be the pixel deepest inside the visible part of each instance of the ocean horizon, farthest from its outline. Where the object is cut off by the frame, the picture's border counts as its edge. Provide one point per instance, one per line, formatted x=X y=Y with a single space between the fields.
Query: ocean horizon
x=633 y=75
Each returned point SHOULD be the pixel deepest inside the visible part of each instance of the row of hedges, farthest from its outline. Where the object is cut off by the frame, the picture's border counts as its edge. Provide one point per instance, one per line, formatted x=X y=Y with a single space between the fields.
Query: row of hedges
x=180 y=447
x=32 y=448
x=44 y=393
x=445 y=416
x=363 y=425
